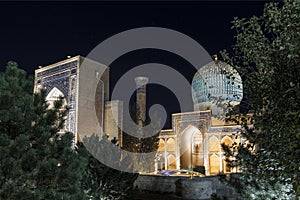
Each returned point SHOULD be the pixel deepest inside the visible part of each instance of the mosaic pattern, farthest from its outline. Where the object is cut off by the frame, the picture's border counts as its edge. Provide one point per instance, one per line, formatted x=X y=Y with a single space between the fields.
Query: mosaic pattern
x=61 y=81
x=63 y=77
x=201 y=120
x=59 y=68
x=224 y=129
x=72 y=104
x=218 y=80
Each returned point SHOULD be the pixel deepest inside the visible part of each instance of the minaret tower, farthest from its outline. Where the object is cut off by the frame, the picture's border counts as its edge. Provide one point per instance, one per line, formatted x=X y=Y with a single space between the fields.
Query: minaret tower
x=141 y=83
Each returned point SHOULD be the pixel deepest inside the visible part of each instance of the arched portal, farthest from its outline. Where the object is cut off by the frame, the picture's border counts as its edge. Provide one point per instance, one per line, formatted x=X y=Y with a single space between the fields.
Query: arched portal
x=54 y=95
x=187 y=143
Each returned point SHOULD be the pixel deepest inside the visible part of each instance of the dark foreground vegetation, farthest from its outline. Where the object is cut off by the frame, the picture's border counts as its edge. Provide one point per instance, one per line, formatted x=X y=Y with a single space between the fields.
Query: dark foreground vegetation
x=38 y=163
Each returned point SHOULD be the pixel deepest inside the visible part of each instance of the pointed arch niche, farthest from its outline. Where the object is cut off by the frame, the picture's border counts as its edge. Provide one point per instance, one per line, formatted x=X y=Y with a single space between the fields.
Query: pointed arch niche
x=170 y=145
x=171 y=162
x=227 y=141
x=213 y=144
x=191 y=148
x=161 y=145
x=53 y=96
x=214 y=163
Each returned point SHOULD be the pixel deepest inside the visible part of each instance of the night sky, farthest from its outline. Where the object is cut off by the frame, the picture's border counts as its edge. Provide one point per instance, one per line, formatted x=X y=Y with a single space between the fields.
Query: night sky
x=42 y=33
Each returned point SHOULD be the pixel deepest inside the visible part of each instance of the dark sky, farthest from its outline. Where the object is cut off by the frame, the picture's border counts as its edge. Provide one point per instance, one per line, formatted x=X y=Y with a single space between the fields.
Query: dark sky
x=42 y=33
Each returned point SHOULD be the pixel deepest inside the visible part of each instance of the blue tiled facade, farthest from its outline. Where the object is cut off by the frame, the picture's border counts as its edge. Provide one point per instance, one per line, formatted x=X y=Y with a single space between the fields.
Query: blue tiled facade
x=64 y=78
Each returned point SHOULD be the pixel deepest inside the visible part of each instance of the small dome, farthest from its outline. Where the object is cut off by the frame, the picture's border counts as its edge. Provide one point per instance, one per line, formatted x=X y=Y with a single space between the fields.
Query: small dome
x=216 y=81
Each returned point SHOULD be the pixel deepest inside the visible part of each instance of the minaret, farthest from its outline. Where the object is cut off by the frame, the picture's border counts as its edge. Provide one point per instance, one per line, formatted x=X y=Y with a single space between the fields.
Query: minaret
x=141 y=83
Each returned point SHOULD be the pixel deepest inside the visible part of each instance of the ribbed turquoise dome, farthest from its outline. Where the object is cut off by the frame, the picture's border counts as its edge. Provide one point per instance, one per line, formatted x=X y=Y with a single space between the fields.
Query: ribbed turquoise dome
x=216 y=80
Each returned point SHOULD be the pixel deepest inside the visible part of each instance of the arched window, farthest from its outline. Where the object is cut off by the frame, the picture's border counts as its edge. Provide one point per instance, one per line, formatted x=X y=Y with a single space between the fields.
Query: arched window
x=170 y=145
x=227 y=141
x=213 y=144
x=161 y=145
x=214 y=163
x=171 y=162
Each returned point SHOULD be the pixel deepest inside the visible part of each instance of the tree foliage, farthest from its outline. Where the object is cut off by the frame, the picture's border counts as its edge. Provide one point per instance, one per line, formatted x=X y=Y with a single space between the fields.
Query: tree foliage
x=267 y=55
x=101 y=181
x=36 y=163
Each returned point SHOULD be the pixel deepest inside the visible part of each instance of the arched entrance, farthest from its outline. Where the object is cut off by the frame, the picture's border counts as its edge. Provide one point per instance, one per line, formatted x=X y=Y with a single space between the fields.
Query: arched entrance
x=53 y=96
x=191 y=148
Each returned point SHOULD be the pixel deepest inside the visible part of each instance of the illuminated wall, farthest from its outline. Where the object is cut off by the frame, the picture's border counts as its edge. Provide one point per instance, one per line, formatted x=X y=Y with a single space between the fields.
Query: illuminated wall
x=66 y=78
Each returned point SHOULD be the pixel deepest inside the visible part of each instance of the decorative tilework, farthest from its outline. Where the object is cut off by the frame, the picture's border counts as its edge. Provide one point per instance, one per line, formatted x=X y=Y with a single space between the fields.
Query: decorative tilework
x=61 y=81
x=72 y=103
x=72 y=119
x=213 y=80
x=64 y=77
x=224 y=129
x=58 y=69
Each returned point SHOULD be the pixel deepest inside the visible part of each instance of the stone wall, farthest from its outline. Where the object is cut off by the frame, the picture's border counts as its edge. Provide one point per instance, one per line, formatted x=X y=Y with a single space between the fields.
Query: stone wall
x=197 y=188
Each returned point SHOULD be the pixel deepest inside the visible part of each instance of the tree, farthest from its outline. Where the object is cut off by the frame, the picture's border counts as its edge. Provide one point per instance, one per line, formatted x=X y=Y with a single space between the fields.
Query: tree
x=36 y=163
x=101 y=181
x=267 y=55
